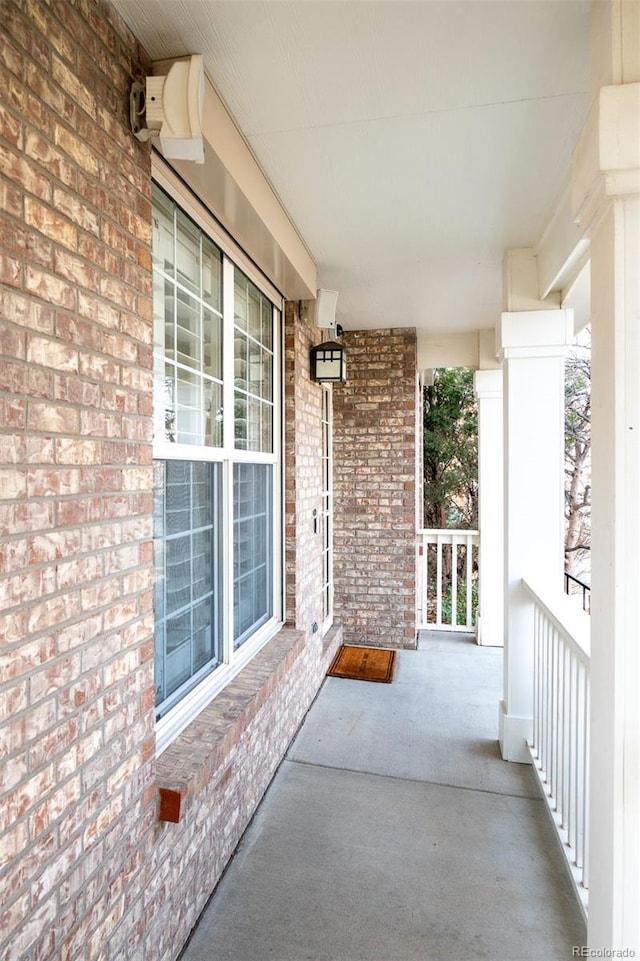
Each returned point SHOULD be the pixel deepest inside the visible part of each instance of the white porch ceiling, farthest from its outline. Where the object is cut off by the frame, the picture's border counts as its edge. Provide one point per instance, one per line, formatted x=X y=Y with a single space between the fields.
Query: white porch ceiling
x=411 y=143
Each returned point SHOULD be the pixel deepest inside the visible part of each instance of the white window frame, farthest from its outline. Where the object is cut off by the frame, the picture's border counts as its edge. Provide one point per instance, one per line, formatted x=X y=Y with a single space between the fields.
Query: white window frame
x=180 y=715
x=327 y=514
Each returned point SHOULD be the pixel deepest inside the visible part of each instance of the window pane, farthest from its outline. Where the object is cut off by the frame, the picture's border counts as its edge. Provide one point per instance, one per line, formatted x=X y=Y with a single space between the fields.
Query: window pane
x=251 y=548
x=211 y=274
x=254 y=433
x=213 y=436
x=163 y=231
x=253 y=367
x=254 y=318
x=188 y=334
x=240 y=301
x=187 y=331
x=188 y=598
x=178 y=656
x=212 y=343
x=240 y=361
x=267 y=427
x=164 y=406
x=267 y=324
x=240 y=414
x=189 y=408
x=187 y=252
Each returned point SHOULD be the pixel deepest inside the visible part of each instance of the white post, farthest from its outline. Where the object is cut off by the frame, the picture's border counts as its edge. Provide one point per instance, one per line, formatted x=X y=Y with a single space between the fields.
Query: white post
x=488 y=390
x=606 y=195
x=532 y=345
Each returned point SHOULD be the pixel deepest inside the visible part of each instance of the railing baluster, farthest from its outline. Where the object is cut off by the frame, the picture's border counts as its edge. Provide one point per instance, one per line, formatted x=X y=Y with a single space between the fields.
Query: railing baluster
x=454 y=582
x=439 y=581
x=536 y=681
x=581 y=772
x=432 y=590
x=470 y=547
x=560 y=749
x=571 y=759
x=564 y=765
x=547 y=707
x=585 y=783
x=553 y=734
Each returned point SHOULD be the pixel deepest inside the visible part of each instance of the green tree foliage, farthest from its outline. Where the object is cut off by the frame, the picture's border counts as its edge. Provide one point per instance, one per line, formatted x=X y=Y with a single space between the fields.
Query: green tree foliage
x=451 y=450
x=577 y=500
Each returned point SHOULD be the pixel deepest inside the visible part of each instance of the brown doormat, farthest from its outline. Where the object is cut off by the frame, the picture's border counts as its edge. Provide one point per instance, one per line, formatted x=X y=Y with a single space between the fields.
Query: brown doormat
x=364 y=664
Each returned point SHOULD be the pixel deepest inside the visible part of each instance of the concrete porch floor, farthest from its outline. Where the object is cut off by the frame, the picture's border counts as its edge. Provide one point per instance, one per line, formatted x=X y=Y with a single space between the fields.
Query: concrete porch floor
x=393 y=831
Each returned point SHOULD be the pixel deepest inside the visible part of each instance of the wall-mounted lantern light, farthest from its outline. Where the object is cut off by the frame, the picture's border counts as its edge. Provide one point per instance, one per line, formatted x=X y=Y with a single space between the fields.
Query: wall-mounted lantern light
x=329 y=363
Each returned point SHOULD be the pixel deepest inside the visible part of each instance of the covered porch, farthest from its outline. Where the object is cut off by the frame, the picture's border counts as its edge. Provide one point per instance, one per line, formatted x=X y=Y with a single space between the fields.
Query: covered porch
x=467 y=177
x=394 y=830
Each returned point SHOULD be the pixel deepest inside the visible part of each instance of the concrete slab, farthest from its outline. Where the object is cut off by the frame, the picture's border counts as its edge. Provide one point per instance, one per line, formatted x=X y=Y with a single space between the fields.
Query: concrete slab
x=394 y=832
x=339 y=866
x=437 y=721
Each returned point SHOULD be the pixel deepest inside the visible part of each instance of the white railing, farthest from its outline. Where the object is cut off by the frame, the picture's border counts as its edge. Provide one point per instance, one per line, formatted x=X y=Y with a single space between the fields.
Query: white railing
x=560 y=743
x=447 y=575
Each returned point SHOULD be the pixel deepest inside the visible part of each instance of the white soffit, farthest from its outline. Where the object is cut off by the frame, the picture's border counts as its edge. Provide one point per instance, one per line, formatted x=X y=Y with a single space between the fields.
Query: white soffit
x=411 y=143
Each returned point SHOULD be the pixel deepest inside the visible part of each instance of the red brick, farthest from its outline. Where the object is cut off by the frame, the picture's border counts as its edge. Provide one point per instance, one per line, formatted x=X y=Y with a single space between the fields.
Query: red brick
x=57 y=38
x=13 y=483
x=49 y=287
x=39 y=81
x=72 y=450
x=23 y=587
x=20 y=517
x=71 y=390
x=51 y=353
x=10 y=56
x=70 y=83
x=53 y=744
x=20 y=309
x=52 y=612
x=53 y=417
x=42 y=151
x=48 y=222
x=13 y=556
x=11 y=127
x=76 y=270
x=11 y=199
x=18 y=98
x=10 y=270
x=97 y=310
x=78 y=212
x=77 y=149
x=12 y=341
x=19 y=169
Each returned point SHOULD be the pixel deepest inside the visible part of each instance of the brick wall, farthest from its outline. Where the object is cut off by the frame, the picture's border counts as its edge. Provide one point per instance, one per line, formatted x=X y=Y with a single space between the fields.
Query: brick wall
x=87 y=870
x=303 y=482
x=76 y=669
x=375 y=461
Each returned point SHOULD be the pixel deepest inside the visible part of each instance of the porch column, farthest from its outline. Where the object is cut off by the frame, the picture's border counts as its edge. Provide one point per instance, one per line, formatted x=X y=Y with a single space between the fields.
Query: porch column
x=488 y=391
x=532 y=346
x=606 y=194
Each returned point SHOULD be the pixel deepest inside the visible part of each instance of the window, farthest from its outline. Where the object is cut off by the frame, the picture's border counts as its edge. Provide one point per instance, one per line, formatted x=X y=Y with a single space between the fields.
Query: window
x=216 y=456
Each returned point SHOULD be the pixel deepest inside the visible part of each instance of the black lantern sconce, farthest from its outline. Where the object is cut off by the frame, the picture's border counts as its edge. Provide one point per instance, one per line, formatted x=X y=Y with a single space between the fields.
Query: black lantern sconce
x=329 y=362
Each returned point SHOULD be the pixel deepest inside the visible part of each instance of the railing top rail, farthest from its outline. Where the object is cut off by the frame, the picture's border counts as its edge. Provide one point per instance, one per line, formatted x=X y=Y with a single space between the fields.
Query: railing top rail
x=573 y=624
x=448 y=530
x=576 y=580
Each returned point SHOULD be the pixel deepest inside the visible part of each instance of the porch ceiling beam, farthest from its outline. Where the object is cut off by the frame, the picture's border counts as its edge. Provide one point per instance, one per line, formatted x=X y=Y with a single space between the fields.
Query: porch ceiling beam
x=448 y=350
x=562 y=251
x=232 y=184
